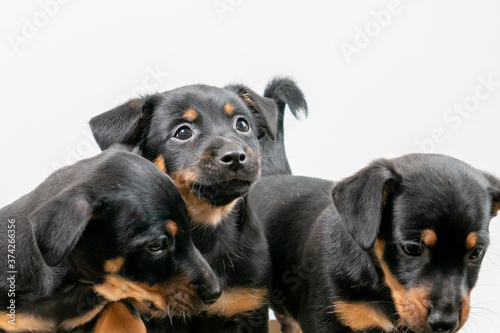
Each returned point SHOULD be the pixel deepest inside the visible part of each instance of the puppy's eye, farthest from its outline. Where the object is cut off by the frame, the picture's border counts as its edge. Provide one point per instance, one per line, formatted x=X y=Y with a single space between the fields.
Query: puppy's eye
x=183 y=133
x=476 y=254
x=413 y=250
x=158 y=245
x=242 y=125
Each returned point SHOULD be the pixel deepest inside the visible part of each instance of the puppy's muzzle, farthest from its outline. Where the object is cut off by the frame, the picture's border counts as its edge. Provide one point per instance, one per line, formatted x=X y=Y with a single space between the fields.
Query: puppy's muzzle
x=205 y=281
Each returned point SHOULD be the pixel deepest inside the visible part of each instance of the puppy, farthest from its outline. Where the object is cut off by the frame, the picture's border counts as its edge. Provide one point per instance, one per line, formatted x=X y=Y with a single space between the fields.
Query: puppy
x=396 y=247
x=105 y=229
x=206 y=139
x=274 y=160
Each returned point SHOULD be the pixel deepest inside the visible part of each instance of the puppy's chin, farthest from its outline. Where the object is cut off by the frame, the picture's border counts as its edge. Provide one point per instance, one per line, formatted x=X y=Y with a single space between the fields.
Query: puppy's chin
x=223 y=193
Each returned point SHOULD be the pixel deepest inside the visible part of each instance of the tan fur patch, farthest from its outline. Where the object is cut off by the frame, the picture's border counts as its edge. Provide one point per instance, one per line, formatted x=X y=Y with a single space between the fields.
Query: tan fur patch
x=429 y=237
x=171 y=228
x=26 y=322
x=185 y=178
x=237 y=301
x=413 y=304
x=116 y=288
x=82 y=320
x=361 y=316
x=471 y=240
x=200 y=211
x=113 y=265
x=495 y=208
x=190 y=115
x=464 y=311
x=117 y=319
x=160 y=163
x=246 y=98
x=229 y=109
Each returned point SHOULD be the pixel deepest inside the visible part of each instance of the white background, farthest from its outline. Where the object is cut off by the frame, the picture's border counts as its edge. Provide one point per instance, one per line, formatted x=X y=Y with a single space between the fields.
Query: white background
x=85 y=57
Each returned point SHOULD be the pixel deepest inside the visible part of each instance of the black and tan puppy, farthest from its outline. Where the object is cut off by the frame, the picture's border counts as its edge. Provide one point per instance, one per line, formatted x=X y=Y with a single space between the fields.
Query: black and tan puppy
x=396 y=247
x=105 y=229
x=206 y=139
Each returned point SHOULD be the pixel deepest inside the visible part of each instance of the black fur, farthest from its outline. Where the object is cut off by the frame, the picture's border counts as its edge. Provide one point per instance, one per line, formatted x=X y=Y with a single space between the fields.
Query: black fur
x=321 y=236
x=110 y=206
x=285 y=92
x=220 y=162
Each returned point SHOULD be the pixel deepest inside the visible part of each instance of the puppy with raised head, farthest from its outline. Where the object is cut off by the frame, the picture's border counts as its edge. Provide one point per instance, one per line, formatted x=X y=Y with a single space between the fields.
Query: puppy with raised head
x=395 y=247
x=109 y=228
x=207 y=139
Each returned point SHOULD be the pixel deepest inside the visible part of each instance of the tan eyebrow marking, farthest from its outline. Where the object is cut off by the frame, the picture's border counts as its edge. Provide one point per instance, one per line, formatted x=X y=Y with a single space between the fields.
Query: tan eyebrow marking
x=229 y=109
x=172 y=228
x=429 y=237
x=190 y=115
x=471 y=240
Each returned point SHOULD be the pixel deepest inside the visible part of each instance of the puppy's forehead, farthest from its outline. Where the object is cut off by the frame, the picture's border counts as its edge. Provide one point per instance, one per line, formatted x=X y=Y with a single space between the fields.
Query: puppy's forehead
x=442 y=196
x=202 y=101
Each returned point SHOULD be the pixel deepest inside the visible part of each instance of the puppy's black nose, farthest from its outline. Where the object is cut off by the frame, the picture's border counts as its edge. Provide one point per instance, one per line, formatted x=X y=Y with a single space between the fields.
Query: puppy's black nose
x=232 y=157
x=440 y=322
x=211 y=297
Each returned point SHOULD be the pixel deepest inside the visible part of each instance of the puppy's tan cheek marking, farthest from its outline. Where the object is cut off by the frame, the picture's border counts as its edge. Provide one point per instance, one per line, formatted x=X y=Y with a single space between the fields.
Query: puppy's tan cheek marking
x=117 y=318
x=116 y=288
x=471 y=240
x=190 y=115
x=361 y=317
x=464 y=311
x=429 y=237
x=171 y=228
x=113 y=265
x=160 y=163
x=185 y=178
x=239 y=300
x=229 y=109
x=412 y=305
x=199 y=211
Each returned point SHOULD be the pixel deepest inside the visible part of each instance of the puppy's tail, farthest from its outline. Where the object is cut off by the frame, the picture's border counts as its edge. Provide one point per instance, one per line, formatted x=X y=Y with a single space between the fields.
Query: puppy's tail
x=284 y=91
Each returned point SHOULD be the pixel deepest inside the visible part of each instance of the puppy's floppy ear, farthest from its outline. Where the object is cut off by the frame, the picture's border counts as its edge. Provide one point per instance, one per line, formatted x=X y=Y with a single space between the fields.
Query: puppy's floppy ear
x=59 y=223
x=126 y=124
x=495 y=193
x=361 y=198
x=264 y=109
